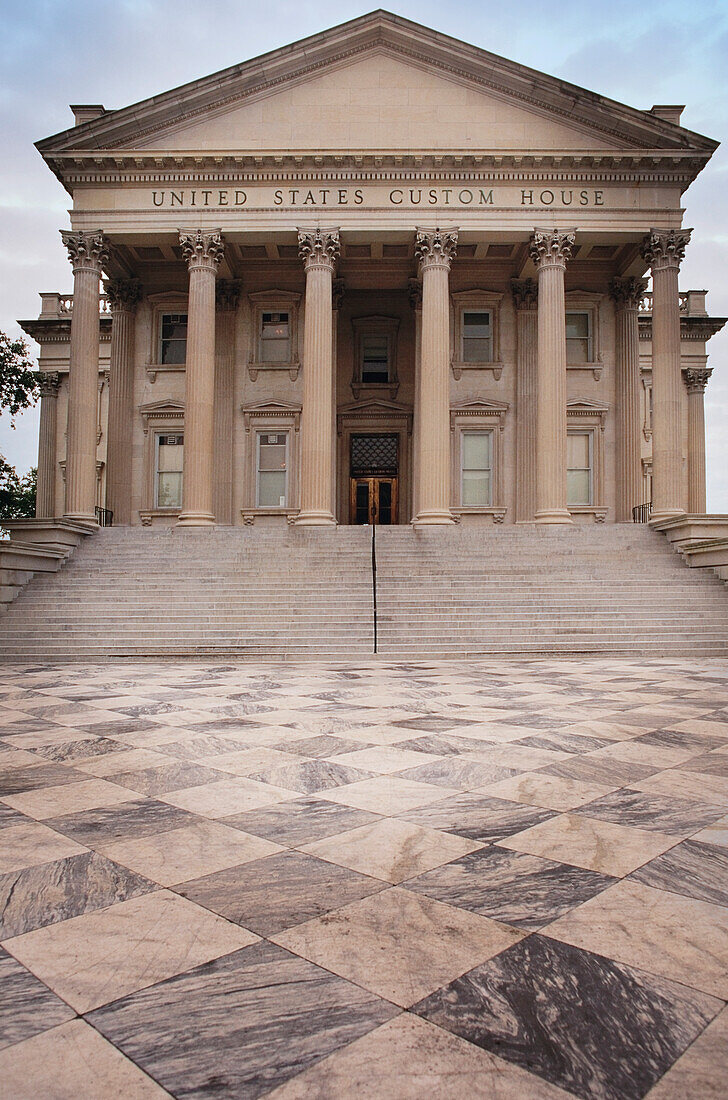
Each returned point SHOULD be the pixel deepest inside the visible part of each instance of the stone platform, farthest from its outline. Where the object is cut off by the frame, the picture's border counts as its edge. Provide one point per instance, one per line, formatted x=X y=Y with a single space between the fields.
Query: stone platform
x=502 y=879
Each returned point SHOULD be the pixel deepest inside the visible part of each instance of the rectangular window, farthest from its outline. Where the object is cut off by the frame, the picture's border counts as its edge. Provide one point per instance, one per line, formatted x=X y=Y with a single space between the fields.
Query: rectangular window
x=375 y=359
x=578 y=338
x=477 y=337
x=170 y=455
x=275 y=338
x=272 y=474
x=476 y=469
x=579 y=451
x=173 y=338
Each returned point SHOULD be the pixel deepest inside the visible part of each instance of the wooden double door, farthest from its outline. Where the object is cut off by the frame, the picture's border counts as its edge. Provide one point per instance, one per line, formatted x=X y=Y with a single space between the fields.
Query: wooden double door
x=373 y=500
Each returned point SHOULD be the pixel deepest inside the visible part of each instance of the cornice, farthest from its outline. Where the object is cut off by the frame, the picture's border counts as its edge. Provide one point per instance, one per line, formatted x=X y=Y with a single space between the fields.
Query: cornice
x=691 y=328
x=58 y=330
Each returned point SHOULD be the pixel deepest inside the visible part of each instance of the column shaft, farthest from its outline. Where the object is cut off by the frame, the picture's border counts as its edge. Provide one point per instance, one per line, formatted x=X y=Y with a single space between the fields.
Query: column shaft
x=45 y=498
x=319 y=250
x=415 y=296
x=551 y=250
x=435 y=250
x=88 y=252
x=626 y=294
x=696 y=381
x=664 y=252
x=525 y=295
x=203 y=252
x=123 y=296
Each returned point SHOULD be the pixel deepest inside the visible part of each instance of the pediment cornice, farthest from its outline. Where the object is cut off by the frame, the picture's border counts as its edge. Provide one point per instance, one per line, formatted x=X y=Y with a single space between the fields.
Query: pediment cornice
x=114 y=133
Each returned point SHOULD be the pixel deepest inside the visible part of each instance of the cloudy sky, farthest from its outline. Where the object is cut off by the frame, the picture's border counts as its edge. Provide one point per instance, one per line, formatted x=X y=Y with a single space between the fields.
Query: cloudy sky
x=116 y=52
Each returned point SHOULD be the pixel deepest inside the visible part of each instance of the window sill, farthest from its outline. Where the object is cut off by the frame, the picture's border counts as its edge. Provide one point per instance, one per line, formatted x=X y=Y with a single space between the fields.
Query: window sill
x=293 y=368
x=596 y=368
x=458 y=367
x=153 y=369
x=249 y=515
x=461 y=511
x=599 y=513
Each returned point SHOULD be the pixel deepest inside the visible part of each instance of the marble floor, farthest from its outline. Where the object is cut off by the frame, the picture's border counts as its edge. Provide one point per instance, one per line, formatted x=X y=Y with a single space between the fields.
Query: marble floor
x=502 y=879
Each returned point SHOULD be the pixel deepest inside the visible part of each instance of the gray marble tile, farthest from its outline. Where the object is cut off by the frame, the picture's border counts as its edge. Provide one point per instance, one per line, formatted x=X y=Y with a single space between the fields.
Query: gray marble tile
x=279 y=891
x=27 y=1007
x=192 y=748
x=301 y=821
x=708 y=764
x=10 y=816
x=239 y=1026
x=311 y=775
x=693 y=868
x=124 y=821
x=37 y=896
x=478 y=817
x=78 y=750
x=641 y=810
x=512 y=887
x=445 y=744
x=142 y=709
x=599 y=769
x=118 y=727
x=681 y=739
x=559 y=741
x=35 y=776
x=460 y=772
x=170 y=777
x=324 y=745
x=433 y=723
x=592 y=1026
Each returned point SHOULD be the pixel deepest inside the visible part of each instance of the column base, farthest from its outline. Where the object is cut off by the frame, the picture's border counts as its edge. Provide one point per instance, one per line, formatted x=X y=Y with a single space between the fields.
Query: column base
x=553 y=515
x=315 y=518
x=433 y=517
x=196 y=519
x=665 y=514
x=88 y=519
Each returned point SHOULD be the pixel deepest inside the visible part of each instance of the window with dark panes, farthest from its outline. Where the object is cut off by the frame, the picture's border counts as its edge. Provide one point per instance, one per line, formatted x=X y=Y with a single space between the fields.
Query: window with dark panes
x=477 y=337
x=173 y=338
x=275 y=338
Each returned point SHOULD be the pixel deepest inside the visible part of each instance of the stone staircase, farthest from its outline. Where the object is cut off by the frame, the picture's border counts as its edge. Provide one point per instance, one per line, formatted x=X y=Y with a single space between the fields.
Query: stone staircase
x=307 y=593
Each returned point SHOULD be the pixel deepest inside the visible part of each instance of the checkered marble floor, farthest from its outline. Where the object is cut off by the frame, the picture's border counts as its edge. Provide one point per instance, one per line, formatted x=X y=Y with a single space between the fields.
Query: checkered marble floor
x=471 y=879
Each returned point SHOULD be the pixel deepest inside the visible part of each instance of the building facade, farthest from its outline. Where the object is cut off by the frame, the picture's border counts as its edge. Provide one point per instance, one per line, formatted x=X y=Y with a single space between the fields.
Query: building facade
x=379 y=275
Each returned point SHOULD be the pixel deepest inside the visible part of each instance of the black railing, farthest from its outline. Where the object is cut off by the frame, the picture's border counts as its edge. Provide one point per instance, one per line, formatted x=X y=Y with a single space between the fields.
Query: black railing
x=104 y=517
x=642 y=512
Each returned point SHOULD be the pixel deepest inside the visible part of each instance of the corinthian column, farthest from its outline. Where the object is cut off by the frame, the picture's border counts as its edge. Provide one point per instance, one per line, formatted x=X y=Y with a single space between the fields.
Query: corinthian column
x=45 y=497
x=88 y=252
x=227 y=298
x=696 y=380
x=551 y=251
x=123 y=295
x=664 y=251
x=203 y=250
x=319 y=249
x=525 y=297
x=626 y=294
x=435 y=249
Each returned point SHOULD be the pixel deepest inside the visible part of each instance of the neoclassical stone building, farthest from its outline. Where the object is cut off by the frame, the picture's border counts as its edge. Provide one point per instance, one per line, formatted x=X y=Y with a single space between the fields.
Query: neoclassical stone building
x=379 y=273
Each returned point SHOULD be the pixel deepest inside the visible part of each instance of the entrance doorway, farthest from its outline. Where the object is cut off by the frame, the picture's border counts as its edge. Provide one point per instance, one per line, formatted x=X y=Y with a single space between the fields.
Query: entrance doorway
x=374 y=477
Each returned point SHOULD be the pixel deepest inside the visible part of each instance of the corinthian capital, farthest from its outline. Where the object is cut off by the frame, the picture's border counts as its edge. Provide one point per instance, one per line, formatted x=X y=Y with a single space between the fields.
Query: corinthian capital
x=48 y=383
x=123 y=294
x=86 y=251
x=319 y=247
x=696 y=379
x=627 y=293
x=227 y=295
x=436 y=247
x=551 y=247
x=202 y=248
x=525 y=293
x=665 y=247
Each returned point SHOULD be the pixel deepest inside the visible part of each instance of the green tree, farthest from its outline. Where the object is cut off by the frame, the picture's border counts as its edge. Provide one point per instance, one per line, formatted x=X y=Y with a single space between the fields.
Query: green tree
x=17 y=494
x=18 y=380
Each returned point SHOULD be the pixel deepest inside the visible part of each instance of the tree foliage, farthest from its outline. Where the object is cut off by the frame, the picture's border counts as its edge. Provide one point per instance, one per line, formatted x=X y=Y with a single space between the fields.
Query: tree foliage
x=17 y=494
x=18 y=380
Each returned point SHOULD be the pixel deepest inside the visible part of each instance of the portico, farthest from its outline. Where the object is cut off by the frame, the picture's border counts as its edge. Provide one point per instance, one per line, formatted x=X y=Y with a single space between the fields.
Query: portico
x=430 y=319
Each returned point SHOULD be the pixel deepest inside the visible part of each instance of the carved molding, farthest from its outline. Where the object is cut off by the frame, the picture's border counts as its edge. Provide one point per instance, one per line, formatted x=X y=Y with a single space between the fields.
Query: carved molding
x=627 y=293
x=337 y=294
x=696 y=378
x=436 y=247
x=86 y=251
x=319 y=247
x=525 y=293
x=123 y=294
x=202 y=249
x=665 y=248
x=227 y=295
x=551 y=247
x=414 y=293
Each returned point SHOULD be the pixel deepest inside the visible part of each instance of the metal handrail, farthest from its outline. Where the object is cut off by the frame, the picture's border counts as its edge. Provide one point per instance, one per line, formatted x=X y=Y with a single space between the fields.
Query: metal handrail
x=642 y=512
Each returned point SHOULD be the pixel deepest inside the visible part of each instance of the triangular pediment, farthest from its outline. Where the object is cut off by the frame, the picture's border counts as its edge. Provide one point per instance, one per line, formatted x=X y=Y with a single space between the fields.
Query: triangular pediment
x=377 y=83
x=481 y=406
x=374 y=407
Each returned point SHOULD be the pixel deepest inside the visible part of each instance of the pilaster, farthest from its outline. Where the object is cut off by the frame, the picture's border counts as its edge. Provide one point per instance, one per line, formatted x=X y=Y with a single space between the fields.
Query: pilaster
x=550 y=251
x=525 y=299
x=227 y=299
x=45 y=498
x=626 y=294
x=695 y=382
x=123 y=295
